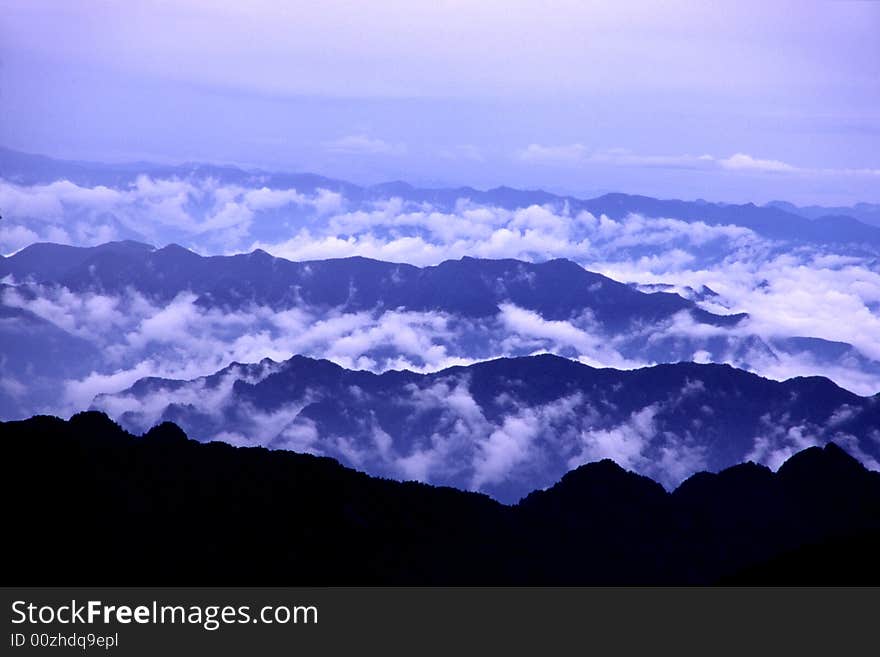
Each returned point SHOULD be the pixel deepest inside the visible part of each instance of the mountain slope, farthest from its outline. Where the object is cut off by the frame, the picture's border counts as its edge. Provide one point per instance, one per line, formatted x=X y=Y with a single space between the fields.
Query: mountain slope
x=184 y=513
x=35 y=355
x=867 y=213
x=775 y=220
x=557 y=289
x=510 y=426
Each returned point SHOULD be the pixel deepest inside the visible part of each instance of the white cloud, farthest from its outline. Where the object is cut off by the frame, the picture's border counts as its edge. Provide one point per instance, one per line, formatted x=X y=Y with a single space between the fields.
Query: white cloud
x=800 y=292
x=16 y=237
x=625 y=444
x=623 y=157
x=591 y=345
x=564 y=154
x=577 y=155
x=803 y=291
x=199 y=211
x=363 y=145
x=741 y=161
x=505 y=448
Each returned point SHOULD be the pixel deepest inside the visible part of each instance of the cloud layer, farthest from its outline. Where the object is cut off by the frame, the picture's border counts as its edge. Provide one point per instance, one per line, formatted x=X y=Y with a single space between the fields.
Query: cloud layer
x=498 y=430
x=832 y=294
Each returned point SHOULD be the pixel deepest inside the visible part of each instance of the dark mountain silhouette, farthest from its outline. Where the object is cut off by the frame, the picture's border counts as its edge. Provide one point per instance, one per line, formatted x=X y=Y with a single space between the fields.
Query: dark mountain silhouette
x=91 y=503
x=511 y=425
x=558 y=289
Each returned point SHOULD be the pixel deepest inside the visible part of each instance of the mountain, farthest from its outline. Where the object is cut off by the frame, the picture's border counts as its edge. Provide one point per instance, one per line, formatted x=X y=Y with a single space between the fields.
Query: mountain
x=470 y=287
x=775 y=220
x=398 y=315
x=182 y=512
x=45 y=262
x=512 y=425
x=34 y=355
x=28 y=169
x=867 y=213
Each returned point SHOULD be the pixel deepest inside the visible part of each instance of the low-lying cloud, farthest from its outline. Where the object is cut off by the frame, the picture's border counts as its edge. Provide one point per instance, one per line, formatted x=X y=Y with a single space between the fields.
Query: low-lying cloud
x=441 y=431
x=788 y=291
x=200 y=212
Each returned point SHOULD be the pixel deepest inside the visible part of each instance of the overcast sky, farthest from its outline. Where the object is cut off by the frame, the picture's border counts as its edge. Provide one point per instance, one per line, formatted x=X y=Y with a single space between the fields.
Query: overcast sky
x=746 y=101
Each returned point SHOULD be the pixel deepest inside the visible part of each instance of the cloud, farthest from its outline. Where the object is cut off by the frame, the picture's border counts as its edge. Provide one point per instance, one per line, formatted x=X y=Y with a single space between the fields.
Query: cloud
x=624 y=157
x=800 y=292
x=578 y=155
x=16 y=237
x=624 y=444
x=397 y=232
x=197 y=211
x=435 y=430
x=788 y=292
x=741 y=161
x=209 y=397
x=505 y=448
x=589 y=344
x=564 y=154
x=363 y=145
x=815 y=291
x=183 y=339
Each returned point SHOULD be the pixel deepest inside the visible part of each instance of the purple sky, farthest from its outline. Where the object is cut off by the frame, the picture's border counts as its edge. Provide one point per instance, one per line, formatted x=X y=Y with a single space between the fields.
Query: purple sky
x=739 y=101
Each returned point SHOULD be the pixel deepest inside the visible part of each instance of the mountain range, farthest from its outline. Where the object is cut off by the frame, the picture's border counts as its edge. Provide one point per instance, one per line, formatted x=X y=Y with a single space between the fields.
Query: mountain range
x=174 y=511
x=867 y=213
x=654 y=429
x=775 y=220
x=509 y=426
x=469 y=309
x=470 y=287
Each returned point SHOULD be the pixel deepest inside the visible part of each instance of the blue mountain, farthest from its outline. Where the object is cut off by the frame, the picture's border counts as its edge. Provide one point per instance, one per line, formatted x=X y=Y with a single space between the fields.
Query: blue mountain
x=470 y=287
x=510 y=426
x=776 y=220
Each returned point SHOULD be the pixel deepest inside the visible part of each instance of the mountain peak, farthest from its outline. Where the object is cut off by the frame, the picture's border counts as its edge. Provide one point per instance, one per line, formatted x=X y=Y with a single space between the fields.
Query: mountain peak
x=813 y=461
x=590 y=484
x=166 y=433
x=173 y=247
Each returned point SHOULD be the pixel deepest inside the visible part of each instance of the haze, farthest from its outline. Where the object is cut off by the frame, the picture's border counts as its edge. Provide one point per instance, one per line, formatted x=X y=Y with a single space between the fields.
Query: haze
x=729 y=102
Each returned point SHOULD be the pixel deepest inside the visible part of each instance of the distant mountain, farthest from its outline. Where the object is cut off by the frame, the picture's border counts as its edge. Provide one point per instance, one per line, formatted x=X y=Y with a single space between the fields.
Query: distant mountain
x=486 y=309
x=182 y=512
x=510 y=426
x=46 y=263
x=35 y=355
x=867 y=213
x=776 y=220
x=27 y=169
x=558 y=289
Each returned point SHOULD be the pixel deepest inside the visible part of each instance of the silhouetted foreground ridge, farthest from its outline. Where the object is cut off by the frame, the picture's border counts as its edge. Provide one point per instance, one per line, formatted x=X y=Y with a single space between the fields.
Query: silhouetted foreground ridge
x=87 y=503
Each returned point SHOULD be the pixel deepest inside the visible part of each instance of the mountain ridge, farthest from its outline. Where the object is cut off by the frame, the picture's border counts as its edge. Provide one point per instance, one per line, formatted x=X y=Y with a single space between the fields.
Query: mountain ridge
x=473 y=286
x=183 y=511
x=507 y=426
x=776 y=220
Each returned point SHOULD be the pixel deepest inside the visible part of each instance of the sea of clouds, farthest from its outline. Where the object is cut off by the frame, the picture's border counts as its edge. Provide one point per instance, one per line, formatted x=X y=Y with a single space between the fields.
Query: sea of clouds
x=788 y=290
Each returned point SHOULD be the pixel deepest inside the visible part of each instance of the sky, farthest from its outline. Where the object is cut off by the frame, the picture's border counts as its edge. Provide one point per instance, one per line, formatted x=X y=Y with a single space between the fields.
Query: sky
x=737 y=102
